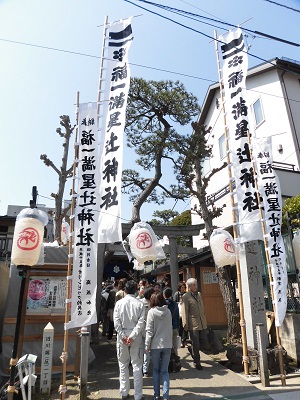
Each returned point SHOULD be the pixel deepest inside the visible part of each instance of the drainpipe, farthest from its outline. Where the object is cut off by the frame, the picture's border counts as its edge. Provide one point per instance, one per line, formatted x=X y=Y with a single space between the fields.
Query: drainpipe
x=292 y=122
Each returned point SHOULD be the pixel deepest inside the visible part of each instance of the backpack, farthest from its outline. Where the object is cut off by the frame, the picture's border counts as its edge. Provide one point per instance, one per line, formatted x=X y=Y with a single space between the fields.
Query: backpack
x=174 y=363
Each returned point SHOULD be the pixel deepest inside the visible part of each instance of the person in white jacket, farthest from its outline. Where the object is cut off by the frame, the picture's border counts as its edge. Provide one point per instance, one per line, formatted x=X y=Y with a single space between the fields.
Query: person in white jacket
x=159 y=342
x=129 y=325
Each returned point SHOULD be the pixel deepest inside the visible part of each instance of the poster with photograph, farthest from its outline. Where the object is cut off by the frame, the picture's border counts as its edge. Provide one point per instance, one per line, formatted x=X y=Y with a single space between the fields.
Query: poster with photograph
x=46 y=295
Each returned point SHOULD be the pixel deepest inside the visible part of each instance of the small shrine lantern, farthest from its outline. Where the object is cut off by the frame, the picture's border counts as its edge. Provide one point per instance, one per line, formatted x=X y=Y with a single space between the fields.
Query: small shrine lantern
x=222 y=247
x=28 y=236
x=144 y=245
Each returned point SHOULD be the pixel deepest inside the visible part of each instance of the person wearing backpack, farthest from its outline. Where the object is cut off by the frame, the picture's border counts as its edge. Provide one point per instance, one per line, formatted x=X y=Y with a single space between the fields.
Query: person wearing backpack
x=159 y=342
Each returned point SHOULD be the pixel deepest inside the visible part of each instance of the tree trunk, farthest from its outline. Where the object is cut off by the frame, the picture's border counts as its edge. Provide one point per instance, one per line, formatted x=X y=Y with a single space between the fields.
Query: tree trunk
x=229 y=299
x=63 y=175
x=136 y=208
x=226 y=288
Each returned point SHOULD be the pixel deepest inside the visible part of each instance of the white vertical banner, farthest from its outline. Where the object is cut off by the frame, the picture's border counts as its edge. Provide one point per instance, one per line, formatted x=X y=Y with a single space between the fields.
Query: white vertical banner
x=235 y=65
x=116 y=92
x=85 y=235
x=269 y=188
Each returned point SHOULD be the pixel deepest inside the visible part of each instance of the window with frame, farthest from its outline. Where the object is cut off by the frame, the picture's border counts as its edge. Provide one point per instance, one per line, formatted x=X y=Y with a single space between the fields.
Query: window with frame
x=222 y=146
x=206 y=166
x=258 y=112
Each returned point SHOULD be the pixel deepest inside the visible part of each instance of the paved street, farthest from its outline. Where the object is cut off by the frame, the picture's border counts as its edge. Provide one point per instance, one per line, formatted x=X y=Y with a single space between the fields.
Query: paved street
x=213 y=382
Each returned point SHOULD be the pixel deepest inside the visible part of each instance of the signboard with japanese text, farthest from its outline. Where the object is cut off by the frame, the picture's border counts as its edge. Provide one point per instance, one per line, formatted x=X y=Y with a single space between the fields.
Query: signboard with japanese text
x=235 y=65
x=46 y=295
x=85 y=235
x=112 y=130
x=271 y=194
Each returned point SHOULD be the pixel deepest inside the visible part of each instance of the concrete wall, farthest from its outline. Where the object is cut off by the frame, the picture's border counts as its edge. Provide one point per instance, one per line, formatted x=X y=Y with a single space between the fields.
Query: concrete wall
x=290 y=336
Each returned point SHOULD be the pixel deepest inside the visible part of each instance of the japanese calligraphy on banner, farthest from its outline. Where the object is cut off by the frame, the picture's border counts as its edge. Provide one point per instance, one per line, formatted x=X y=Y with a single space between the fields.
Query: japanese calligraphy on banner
x=85 y=243
x=116 y=92
x=271 y=194
x=235 y=65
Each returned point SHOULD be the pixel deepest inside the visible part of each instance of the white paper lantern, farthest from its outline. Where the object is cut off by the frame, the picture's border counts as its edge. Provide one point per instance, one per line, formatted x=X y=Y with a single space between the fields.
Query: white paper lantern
x=296 y=248
x=222 y=247
x=65 y=232
x=137 y=266
x=143 y=243
x=28 y=236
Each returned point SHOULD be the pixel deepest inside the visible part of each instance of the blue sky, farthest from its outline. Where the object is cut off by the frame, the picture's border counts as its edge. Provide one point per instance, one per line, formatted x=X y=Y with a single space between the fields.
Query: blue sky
x=38 y=84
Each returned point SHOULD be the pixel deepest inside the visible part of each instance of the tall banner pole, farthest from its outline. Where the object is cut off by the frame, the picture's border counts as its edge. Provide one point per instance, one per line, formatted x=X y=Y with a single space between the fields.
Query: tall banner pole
x=271 y=278
x=234 y=221
x=64 y=355
x=100 y=86
x=113 y=110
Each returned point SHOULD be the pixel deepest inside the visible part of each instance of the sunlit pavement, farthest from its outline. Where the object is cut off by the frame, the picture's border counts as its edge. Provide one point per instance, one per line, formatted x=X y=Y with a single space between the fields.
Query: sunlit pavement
x=214 y=382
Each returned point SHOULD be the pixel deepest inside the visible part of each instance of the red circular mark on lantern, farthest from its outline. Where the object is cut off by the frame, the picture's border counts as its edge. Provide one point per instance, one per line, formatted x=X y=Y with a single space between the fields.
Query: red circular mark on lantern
x=228 y=246
x=28 y=239
x=143 y=240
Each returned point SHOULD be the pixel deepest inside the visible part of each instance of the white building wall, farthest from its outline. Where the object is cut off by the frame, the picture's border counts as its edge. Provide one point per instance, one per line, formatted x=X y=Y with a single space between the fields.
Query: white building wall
x=277 y=123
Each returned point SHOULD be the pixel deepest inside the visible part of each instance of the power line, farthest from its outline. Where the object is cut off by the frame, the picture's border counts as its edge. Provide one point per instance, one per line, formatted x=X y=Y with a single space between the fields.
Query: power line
x=192 y=5
x=202 y=33
x=188 y=15
x=146 y=66
x=104 y=212
x=48 y=48
x=282 y=5
x=98 y=57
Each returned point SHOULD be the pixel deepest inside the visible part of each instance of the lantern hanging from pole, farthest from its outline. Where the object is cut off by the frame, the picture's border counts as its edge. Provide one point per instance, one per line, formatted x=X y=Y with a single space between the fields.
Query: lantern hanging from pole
x=144 y=245
x=137 y=266
x=296 y=248
x=222 y=247
x=28 y=236
x=65 y=232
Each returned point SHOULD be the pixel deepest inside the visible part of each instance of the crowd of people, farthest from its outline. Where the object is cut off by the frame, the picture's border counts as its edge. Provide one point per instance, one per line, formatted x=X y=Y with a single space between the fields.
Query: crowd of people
x=150 y=324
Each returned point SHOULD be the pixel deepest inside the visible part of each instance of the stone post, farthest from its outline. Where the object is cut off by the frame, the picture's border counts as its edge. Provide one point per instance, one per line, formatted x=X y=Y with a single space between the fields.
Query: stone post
x=252 y=290
x=46 y=364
